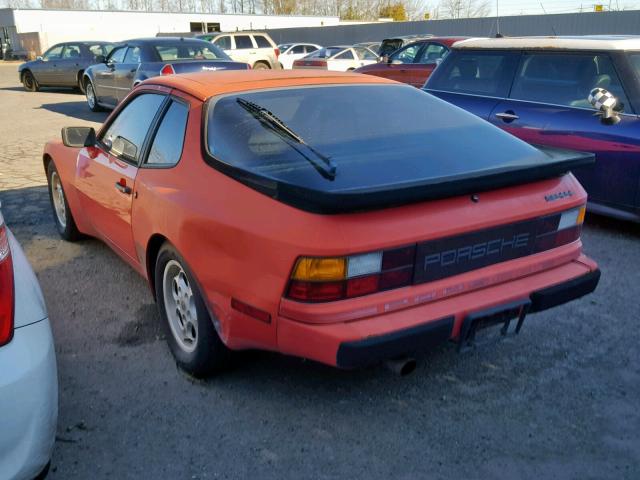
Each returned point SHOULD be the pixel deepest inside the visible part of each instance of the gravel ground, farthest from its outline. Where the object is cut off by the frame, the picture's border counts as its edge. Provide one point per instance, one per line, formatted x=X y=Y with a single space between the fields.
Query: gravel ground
x=559 y=401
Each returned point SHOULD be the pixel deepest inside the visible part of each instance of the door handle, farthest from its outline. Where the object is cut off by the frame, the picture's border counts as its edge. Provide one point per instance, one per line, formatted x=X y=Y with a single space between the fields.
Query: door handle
x=507 y=116
x=123 y=188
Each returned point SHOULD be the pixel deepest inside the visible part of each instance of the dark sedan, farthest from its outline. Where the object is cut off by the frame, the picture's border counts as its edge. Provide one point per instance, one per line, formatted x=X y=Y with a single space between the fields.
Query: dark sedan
x=63 y=65
x=133 y=61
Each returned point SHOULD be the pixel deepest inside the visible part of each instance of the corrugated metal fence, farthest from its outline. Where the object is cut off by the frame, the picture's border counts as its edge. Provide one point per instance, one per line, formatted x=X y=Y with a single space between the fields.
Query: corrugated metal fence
x=592 y=23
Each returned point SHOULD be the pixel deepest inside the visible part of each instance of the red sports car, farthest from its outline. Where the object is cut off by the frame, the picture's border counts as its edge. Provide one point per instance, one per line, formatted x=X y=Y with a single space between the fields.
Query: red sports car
x=414 y=62
x=338 y=217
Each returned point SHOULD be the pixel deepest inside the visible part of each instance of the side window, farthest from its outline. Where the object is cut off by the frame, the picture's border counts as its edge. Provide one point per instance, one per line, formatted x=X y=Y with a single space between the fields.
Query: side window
x=261 y=41
x=166 y=148
x=133 y=55
x=406 y=55
x=117 y=55
x=476 y=72
x=365 y=54
x=243 y=42
x=71 y=52
x=346 y=55
x=298 y=49
x=54 y=53
x=432 y=54
x=223 y=42
x=565 y=79
x=125 y=136
x=309 y=49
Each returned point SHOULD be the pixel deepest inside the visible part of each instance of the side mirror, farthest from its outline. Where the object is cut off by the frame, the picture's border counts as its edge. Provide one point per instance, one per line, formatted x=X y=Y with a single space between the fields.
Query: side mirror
x=101 y=59
x=605 y=103
x=123 y=148
x=78 y=137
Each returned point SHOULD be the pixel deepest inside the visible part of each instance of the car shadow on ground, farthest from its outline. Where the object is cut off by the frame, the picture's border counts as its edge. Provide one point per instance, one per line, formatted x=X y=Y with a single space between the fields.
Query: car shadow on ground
x=78 y=110
x=612 y=225
x=45 y=90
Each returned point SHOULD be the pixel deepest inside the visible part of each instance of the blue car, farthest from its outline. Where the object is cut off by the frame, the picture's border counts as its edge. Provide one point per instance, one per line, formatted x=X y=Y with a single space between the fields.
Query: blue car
x=110 y=80
x=546 y=91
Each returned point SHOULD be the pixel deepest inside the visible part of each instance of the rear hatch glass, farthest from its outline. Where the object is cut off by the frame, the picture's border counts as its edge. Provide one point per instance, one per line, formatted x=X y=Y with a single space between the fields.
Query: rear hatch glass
x=366 y=146
x=185 y=50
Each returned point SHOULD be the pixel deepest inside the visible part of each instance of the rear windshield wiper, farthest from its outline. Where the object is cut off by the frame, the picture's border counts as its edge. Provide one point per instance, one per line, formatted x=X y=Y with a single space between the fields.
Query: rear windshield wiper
x=326 y=167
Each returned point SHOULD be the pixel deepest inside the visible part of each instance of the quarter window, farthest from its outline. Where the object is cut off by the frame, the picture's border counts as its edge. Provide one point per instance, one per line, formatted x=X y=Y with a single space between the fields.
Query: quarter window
x=565 y=79
x=475 y=72
x=169 y=139
x=262 y=42
x=125 y=136
x=243 y=42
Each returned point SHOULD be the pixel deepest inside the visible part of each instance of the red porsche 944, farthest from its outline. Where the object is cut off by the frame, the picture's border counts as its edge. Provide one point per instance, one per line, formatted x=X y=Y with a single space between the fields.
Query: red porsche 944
x=343 y=218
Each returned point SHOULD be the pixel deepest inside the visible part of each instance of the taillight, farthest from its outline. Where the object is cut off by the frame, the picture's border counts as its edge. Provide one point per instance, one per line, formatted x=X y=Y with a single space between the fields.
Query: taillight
x=277 y=52
x=337 y=278
x=167 y=70
x=6 y=287
x=560 y=229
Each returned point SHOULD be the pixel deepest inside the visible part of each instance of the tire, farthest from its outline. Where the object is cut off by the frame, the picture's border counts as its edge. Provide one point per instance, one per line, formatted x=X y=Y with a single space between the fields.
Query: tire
x=29 y=82
x=194 y=342
x=62 y=215
x=261 y=66
x=92 y=100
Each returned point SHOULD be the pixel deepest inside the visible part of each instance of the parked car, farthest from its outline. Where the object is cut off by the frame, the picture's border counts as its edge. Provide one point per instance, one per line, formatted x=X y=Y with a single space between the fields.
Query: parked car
x=337 y=217
x=339 y=58
x=63 y=65
x=390 y=45
x=373 y=46
x=537 y=89
x=28 y=375
x=255 y=48
x=414 y=62
x=133 y=61
x=289 y=52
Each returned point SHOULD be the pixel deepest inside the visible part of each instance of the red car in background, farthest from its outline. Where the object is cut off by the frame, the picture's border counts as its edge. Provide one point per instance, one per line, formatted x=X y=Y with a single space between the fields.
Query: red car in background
x=412 y=63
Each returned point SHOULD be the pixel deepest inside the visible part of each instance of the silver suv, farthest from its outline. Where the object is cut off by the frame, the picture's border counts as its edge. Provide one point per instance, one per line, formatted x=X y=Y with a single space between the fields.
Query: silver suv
x=255 y=48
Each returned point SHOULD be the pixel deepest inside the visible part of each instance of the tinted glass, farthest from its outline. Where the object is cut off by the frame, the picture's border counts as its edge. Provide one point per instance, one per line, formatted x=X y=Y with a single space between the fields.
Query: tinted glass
x=366 y=54
x=476 y=72
x=326 y=52
x=71 y=52
x=117 y=55
x=100 y=49
x=133 y=122
x=283 y=47
x=565 y=79
x=190 y=51
x=223 y=42
x=262 y=42
x=377 y=135
x=634 y=59
x=167 y=144
x=346 y=55
x=432 y=54
x=53 y=53
x=406 y=55
x=243 y=42
x=390 y=46
x=297 y=49
x=133 y=55
x=310 y=48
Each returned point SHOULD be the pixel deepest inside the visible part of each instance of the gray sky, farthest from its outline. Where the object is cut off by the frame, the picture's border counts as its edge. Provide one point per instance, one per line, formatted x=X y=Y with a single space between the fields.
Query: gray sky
x=530 y=7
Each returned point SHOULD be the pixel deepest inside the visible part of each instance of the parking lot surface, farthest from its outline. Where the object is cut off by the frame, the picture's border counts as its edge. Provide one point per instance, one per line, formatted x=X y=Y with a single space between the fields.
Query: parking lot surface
x=558 y=401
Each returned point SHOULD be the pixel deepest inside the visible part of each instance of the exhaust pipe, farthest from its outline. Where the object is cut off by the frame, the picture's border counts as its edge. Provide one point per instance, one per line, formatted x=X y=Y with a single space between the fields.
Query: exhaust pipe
x=401 y=366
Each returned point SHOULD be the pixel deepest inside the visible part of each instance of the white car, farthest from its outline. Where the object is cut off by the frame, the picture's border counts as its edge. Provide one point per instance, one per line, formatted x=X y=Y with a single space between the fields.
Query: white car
x=255 y=48
x=290 y=52
x=28 y=375
x=340 y=59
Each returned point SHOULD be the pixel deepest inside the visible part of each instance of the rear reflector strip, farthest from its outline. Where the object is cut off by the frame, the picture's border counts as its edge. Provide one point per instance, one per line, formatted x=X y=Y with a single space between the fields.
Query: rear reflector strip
x=250 y=310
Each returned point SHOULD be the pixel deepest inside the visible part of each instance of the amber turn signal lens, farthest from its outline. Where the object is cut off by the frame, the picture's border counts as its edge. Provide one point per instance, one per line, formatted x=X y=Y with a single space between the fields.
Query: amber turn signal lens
x=320 y=269
x=581 y=214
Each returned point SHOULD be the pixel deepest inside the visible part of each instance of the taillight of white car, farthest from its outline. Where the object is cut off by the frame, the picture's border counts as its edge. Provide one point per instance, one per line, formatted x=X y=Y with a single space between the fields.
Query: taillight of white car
x=6 y=286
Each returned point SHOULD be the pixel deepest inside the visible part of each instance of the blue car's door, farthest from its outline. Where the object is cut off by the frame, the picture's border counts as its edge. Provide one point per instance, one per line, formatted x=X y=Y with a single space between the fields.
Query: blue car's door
x=548 y=105
x=475 y=80
x=104 y=77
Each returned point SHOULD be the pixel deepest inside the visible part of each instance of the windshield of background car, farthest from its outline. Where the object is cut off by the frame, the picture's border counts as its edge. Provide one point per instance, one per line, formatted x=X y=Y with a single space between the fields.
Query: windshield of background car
x=325 y=52
x=376 y=135
x=475 y=72
x=190 y=51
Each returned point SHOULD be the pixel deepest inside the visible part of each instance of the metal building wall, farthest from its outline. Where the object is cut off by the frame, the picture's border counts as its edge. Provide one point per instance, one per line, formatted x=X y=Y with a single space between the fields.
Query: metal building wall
x=592 y=23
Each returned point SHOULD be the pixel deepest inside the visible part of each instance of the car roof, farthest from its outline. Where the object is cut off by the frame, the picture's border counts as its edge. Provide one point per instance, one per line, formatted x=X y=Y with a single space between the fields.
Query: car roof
x=204 y=85
x=161 y=40
x=586 y=42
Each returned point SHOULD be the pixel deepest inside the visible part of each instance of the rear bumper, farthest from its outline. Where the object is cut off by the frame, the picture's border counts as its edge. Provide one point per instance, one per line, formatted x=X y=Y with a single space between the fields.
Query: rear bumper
x=368 y=341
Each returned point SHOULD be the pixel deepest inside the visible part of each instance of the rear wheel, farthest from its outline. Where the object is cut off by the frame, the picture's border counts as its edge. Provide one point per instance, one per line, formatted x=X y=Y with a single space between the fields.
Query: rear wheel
x=92 y=100
x=80 y=86
x=190 y=332
x=61 y=212
x=29 y=82
x=261 y=66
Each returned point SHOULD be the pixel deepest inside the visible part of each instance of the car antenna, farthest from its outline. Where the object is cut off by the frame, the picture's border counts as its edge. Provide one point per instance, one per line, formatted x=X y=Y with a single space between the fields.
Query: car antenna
x=550 y=24
x=498 y=34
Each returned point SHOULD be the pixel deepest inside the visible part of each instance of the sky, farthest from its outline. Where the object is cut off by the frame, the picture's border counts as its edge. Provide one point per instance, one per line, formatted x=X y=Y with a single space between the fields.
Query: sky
x=532 y=7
